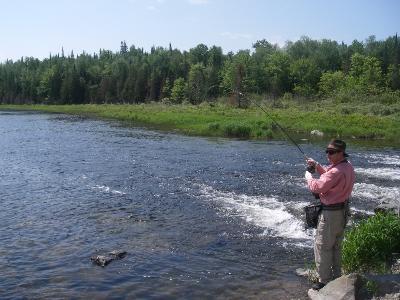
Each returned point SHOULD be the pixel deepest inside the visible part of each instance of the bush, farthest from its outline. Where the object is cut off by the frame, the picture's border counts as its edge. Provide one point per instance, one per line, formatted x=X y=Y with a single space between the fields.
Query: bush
x=330 y=82
x=346 y=110
x=269 y=134
x=237 y=130
x=379 y=109
x=213 y=126
x=370 y=244
x=178 y=92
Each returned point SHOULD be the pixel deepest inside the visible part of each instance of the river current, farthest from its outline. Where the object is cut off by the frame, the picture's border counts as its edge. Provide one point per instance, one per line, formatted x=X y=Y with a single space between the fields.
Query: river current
x=199 y=218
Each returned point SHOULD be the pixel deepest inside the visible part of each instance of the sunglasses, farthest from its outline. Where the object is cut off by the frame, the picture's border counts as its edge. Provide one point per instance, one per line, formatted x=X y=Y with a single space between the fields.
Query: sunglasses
x=331 y=152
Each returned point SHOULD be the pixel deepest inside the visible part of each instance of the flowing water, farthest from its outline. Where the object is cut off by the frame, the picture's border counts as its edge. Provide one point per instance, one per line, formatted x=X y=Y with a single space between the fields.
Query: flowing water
x=199 y=218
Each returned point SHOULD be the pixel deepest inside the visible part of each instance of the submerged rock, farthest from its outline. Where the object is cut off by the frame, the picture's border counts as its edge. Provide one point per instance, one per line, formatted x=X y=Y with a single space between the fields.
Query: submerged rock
x=118 y=253
x=316 y=132
x=103 y=260
x=388 y=207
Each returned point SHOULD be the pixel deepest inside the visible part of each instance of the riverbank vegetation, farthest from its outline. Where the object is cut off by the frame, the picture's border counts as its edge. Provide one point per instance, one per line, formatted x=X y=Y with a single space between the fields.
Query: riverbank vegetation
x=223 y=120
x=341 y=90
x=370 y=245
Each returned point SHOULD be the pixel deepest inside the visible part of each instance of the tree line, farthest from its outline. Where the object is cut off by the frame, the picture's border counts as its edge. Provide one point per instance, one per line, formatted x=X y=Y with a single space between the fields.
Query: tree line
x=307 y=68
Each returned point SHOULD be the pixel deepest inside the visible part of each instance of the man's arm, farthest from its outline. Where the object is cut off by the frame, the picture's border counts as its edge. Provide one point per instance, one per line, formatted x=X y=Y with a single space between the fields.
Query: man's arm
x=325 y=182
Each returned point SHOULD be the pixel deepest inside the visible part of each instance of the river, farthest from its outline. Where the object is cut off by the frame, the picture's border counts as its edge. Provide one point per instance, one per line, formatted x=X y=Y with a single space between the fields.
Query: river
x=199 y=218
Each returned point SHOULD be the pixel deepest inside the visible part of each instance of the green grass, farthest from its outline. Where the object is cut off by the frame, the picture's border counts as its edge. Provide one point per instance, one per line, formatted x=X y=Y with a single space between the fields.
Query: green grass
x=370 y=244
x=225 y=121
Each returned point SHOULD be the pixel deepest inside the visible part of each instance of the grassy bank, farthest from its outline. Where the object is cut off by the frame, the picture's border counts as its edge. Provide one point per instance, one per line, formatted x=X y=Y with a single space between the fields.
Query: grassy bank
x=370 y=244
x=225 y=121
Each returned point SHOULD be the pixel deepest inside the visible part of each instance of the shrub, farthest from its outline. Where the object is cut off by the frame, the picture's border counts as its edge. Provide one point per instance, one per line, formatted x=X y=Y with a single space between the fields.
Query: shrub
x=178 y=93
x=204 y=105
x=346 y=110
x=287 y=96
x=237 y=130
x=330 y=82
x=269 y=134
x=370 y=244
x=259 y=133
x=166 y=101
x=213 y=126
x=379 y=109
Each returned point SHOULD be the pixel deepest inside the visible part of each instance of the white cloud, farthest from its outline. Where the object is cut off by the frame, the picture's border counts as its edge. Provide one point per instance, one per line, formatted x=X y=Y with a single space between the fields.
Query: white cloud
x=236 y=36
x=151 y=7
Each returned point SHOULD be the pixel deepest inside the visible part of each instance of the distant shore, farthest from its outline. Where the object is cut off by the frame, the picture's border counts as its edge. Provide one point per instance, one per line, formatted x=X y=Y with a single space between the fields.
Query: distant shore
x=218 y=120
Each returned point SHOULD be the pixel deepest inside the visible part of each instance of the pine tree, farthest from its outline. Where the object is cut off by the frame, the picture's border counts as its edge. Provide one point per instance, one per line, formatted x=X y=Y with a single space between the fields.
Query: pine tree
x=396 y=66
x=124 y=48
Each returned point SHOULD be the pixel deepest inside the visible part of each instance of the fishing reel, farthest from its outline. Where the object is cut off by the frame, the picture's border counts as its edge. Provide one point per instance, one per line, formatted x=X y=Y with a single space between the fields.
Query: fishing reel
x=311 y=169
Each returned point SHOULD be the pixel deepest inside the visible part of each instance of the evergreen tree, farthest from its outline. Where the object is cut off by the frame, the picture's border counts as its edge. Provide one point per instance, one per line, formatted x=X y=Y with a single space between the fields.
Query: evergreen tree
x=395 y=70
x=197 y=84
x=124 y=48
x=134 y=75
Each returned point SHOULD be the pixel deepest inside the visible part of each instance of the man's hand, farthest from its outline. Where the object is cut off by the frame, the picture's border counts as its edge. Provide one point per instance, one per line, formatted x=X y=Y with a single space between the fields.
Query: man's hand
x=311 y=165
x=311 y=162
x=308 y=175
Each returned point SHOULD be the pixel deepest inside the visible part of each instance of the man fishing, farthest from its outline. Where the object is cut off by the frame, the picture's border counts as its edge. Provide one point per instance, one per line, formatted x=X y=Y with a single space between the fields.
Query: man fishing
x=333 y=187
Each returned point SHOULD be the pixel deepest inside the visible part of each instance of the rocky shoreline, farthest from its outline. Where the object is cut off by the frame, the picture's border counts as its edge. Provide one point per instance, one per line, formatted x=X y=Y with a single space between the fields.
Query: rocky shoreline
x=359 y=286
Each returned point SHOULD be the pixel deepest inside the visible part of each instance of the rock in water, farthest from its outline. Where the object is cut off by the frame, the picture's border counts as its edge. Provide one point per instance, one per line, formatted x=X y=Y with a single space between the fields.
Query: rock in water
x=387 y=207
x=302 y=272
x=316 y=132
x=310 y=274
x=118 y=253
x=103 y=260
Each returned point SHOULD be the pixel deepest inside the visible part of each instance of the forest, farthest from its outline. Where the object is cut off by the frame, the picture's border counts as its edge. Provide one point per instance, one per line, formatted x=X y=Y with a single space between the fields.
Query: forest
x=306 y=68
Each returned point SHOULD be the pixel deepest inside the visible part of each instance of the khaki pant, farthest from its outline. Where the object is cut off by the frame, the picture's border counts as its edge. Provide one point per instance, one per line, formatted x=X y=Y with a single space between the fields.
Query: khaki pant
x=328 y=244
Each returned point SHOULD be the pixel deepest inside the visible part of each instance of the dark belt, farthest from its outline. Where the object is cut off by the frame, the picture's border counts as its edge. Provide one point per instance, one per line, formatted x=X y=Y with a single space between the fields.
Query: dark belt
x=336 y=206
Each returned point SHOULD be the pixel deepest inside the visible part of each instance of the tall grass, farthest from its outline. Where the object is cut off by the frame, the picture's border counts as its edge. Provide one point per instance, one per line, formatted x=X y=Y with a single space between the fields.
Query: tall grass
x=370 y=244
x=224 y=120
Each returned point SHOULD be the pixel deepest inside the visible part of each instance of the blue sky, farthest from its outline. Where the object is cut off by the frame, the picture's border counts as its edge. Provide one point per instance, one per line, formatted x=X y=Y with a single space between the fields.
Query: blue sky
x=38 y=28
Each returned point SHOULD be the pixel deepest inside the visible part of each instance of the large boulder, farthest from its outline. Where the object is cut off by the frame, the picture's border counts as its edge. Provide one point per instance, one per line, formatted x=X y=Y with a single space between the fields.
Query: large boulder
x=357 y=287
x=343 y=288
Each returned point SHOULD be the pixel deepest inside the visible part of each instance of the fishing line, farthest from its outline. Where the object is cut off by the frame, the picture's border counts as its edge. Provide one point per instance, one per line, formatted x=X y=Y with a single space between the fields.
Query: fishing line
x=276 y=124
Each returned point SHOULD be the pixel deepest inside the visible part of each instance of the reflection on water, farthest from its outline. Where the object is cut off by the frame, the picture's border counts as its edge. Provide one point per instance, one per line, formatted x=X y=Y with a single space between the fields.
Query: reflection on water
x=199 y=218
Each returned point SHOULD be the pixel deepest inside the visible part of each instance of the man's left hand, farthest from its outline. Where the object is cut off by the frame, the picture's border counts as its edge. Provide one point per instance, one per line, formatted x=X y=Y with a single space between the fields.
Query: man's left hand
x=308 y=175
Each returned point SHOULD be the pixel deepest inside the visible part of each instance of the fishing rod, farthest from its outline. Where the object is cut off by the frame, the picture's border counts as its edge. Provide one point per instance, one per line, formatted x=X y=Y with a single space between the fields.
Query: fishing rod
x=310 y=168
x=276 y=124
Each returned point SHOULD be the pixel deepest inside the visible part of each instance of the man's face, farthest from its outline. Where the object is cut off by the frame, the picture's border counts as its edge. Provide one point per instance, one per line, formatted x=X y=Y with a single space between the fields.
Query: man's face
x=334 y=155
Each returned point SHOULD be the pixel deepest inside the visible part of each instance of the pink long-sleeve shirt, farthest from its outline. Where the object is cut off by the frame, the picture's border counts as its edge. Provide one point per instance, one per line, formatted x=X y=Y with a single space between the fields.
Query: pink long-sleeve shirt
x=335 y=183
